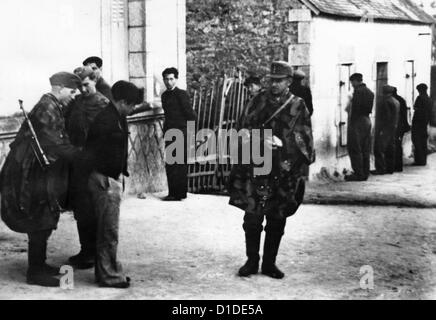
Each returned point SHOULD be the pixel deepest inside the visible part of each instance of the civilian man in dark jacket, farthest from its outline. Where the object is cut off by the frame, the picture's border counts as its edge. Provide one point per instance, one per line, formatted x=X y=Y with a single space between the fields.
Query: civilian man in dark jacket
x=421 y=118
x=402 y=128
x=78 y=120
x=106 y=149
x=96 y=64
x=253 y=85
x=178 y=111
x=385 y=137
x=302 y=91
x=359 y=129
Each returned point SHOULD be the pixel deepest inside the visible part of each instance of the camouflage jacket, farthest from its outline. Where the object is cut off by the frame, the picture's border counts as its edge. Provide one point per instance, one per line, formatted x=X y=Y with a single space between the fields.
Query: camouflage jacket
x=31 y=198
x=282 y=190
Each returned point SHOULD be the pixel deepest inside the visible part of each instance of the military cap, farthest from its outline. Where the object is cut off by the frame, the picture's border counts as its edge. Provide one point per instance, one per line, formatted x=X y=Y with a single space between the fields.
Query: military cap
x=252 y=79
x=98 y=61
x=281 y=69
x=299 y=74
x=84 y=72
x=356 y=77
x=387 y=89
x=123 y=90
x=422 y=87
x=66 y=79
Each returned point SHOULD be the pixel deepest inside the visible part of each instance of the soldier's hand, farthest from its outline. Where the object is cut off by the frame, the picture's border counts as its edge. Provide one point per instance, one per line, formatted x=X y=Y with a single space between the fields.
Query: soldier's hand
x=273 y=142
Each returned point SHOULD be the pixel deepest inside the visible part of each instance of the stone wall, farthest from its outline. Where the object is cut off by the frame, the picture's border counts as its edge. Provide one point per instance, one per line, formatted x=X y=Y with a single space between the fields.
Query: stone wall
x=223 y=35
x=146 y=151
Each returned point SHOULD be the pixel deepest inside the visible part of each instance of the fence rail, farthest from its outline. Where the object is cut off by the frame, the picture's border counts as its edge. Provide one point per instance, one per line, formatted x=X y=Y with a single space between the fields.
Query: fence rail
x=218 y=108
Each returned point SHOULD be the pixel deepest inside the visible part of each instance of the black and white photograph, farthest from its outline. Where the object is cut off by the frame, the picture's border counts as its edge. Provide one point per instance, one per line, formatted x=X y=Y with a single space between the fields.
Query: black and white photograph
x=217 y=150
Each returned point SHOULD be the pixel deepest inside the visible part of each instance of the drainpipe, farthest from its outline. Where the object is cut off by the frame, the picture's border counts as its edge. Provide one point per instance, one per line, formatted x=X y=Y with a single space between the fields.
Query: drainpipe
x=149 y=72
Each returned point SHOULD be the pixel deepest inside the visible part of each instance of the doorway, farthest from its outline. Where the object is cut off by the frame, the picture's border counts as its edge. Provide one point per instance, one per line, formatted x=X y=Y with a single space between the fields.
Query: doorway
x=381 y=80
x=410 y=87
x=342 y=114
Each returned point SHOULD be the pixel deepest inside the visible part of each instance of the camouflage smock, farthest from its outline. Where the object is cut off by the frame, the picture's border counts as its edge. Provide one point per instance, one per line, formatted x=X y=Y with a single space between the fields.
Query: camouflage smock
x=282 y=191
x=31 y=198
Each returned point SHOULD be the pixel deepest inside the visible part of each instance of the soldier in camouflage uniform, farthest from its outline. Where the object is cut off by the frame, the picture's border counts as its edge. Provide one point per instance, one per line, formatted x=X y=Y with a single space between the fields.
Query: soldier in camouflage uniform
x=31 y=196
x=278 y=194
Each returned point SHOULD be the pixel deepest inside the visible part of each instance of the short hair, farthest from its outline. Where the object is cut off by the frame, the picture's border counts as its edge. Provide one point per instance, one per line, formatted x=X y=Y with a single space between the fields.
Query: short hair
x=421 y=87
x=127 y=91
x=356 y=77
x=85 y=72
x=97 y=60
x=168 y=71
x=252 y=79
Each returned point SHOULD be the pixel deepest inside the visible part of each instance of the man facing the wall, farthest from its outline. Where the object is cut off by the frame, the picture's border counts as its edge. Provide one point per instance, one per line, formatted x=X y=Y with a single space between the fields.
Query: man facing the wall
x=420 y=121
x=385 y=136
x=402 y=128
x=178 y=112
x=359 y=130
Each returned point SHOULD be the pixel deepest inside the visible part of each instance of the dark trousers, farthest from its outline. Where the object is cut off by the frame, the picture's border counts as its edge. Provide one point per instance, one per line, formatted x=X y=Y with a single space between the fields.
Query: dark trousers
x=384 y=152
x=106 y=198
x=274 y=230
x=85 y=216
x=399 y=153
x=419 y=140
x=359 y=145
x=37 y=253
x=177 y=174
x=82 y=206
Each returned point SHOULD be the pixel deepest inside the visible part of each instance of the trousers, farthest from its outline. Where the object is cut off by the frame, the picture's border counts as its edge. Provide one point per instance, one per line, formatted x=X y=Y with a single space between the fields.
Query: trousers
x=37 y=253
x=359 y=145
x=106 y=199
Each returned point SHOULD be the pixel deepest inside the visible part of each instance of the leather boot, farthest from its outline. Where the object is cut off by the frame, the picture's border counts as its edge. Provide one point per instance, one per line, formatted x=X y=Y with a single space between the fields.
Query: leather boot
x=39 y=273
x=85 y=259
x=252 y=243
x=270 y=250
x=40 y=277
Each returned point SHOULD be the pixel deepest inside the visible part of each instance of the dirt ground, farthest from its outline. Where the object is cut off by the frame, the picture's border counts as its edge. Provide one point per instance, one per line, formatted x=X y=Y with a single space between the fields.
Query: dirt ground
x=193 y=249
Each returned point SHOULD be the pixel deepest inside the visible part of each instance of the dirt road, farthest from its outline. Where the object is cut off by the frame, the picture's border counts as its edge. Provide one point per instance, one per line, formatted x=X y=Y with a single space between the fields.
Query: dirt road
x=193 y=250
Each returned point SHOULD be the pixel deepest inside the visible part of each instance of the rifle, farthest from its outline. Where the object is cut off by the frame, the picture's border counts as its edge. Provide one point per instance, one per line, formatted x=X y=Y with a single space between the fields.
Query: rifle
x=36 y=146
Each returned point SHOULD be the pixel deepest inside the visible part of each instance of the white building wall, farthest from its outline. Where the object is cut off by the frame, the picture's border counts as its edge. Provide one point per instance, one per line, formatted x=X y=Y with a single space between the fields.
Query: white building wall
x=42 y=37
x=168 y=40
x=335 y=42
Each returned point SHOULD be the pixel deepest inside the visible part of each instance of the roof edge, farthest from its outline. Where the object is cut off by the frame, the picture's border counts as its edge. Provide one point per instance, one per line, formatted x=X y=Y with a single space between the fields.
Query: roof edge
x=428 y=20
x=376 y=19
x=311 y=7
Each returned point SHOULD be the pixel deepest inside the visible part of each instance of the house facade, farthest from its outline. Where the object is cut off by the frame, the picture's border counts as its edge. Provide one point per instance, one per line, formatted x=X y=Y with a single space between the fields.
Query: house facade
x=137 y=39
x=389 y=42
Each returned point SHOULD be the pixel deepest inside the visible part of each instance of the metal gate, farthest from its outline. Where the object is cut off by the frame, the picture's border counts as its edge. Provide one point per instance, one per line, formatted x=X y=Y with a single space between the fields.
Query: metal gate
x=218 y=106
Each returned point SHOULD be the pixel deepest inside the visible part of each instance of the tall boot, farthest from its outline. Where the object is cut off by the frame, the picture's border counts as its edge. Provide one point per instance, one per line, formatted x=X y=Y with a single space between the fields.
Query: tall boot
x=270 y=250
x=252 y=243
x=85 y=259
x=38 y=272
